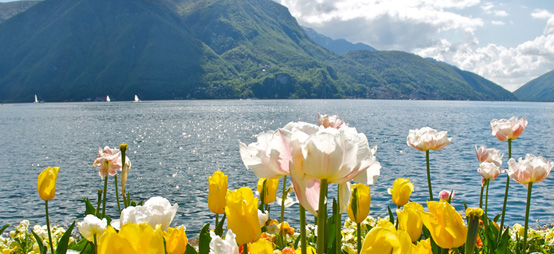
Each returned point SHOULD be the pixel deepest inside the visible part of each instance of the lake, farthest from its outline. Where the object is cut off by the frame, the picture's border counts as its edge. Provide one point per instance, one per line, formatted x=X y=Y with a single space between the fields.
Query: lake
x=175 y=145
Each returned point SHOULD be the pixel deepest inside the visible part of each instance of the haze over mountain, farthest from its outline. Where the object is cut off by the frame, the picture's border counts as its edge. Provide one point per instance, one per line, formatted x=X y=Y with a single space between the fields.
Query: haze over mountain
x=539 y=89
x=72 y=50
x=339 y=46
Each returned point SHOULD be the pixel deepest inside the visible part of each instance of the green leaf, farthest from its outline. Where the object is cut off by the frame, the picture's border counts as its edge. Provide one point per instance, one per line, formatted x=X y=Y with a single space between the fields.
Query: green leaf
x=89 y=208
x=82 y=246
x=204 y=240
x=219 y=227
x=4 y=228
x=330 y=230
x=64 y=241
x=391 y=216
x=190 y=250
x=41 y=246
x=504 y=242
x=354 y=203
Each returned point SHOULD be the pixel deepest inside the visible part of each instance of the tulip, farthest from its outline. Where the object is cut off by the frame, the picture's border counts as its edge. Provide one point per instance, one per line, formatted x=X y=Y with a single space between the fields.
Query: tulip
x=528 y=171
x=445 y=224
x=360 y=200
x=426 y=139
x=217 y=192
x=46 y=183
x=242 y=215
x=309 y=250
x=175 y=240
x=269 y=157
x=401 y=190
x=509 y=129
x=485 y=154
x=92 y=227
x=131 y=239
x=446 y=195
x=489 y=171
x=410 y=221
x=262 y=246
x=156 y=210
x=384 y=238
x=109 y=161
x=329 y=121
x=423 y=247
x=220 y=246
x=124 y=173
x=268 y=189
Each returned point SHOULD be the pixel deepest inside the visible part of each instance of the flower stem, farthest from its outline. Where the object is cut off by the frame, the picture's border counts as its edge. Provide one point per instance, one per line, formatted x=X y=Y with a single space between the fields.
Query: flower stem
x=359 y=237
x=95 y=244
x=123 y=150
x=283 y=197
x=97 y=214
x=245 y=248
x=529 y=187
x=487 y=196
x=481 y=196
x=216 y=221
x=338 y=224
x=117 y=195
x=429 y=175
x=104 y=198
x=48 y=226
x=505 y=193
x=303 y=229
x=321 y=217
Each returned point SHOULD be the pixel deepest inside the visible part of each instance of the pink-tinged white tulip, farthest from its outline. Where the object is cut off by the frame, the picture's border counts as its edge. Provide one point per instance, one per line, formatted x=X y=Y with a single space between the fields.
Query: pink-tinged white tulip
x=329 y=121
x=337 y=155
x=269 y=157
x=223 y=246
x=445 y=195
x=427 y=138
x=109 y=161
x=92 y=227
x=531 y=169
x=156 y=210
x=505 y=129
x=485 y=154
x=489 y=170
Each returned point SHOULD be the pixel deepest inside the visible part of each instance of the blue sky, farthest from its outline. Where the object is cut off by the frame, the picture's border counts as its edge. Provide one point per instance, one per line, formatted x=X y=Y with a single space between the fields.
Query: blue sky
x=508 y=42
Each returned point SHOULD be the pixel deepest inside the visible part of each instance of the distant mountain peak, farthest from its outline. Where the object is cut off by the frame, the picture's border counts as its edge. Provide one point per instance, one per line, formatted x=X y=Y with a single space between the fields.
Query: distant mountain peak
x=538 y=89
x=339 y=46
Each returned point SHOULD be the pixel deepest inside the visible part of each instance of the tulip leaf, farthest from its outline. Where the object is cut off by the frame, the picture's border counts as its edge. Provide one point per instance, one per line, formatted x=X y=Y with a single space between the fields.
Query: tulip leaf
x=64 y=241
x=204 y=240
x=391 y=216
x=4 y=228
x=190 y=250
x=330 y=230
x=83 y=246
x=41 y=246
x=354 y=203
x=504 y=242
x=219 y=227
x=89 y=208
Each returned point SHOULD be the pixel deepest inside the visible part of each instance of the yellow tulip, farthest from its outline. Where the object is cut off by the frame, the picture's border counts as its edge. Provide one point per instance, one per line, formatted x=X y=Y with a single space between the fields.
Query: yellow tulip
x=217 y=191
x=132 y=238
x=410 y=221
x=309 y=250
x=175 y=240
x=401 y=190
x=360 y=200
x=262 y=246
x=445 y=224
x=242 y=215
x=422 y=247
x=269 y=193
x=46 y=183
x=384 y=238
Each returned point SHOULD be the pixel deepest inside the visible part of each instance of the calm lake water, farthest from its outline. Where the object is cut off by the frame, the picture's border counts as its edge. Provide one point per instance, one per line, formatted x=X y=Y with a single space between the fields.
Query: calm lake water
x=175 y=145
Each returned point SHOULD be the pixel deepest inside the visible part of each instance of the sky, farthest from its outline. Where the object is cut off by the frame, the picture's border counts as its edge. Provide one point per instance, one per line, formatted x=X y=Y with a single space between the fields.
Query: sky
x=509 y=42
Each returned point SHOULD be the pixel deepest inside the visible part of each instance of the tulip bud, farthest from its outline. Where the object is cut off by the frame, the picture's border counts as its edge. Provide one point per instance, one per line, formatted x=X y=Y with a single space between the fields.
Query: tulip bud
x=473 y=215
x=410 y=221
x=360 y=201
x=46 y=183
x=217 y=192
x=175 y=240
x=242 y=215
x=268 y=189
x=401 y=190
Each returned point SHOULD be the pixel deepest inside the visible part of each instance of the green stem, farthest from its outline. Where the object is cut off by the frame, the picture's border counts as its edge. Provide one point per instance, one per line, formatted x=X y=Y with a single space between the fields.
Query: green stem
x=481 y=196
x=97 y=214
x=283 y=197
x=338 y=223
x=95 y=244
x=359 y=237
x=104 y=198
x=117 y=195
x=429 y=175
x=303 y=244
x=217 y=221
x=245 y=248
x=487 y=196
x=48 y=226
x=529 y=187
x=321 y=217
x=505 y=193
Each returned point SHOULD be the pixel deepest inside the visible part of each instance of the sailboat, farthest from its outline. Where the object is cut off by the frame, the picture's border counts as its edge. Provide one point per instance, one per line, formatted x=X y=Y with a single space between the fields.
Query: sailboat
x=36 y=99
x=137 y=98
x=108 y=98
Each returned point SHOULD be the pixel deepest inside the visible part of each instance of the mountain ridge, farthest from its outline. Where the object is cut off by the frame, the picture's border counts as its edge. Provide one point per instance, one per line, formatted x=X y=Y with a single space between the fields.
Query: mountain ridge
x=538 y=89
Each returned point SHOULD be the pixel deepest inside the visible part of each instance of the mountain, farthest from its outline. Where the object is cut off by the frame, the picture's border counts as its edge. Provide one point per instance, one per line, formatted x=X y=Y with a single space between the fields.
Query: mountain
x=73 y=50
x=539 y=89
x=339 y=46
x=10 y=9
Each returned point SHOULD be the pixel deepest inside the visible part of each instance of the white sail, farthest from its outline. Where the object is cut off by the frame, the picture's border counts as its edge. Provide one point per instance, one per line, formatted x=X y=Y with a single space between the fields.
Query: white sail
x=137 y=98
x=108 y=98
x=36 y=99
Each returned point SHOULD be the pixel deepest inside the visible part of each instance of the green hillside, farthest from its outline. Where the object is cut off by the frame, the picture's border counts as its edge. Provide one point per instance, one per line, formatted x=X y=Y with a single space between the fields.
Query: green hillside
x=73 y=50
x=539 y=89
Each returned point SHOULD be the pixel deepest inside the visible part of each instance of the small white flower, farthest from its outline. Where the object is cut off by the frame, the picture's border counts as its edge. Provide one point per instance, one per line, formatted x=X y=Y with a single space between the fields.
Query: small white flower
x=92 y=227
x=220 y=246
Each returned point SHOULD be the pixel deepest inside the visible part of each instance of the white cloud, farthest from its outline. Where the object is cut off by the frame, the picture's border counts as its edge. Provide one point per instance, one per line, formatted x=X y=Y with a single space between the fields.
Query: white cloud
x=541 y=14
x=489 y=8
x=497 y=22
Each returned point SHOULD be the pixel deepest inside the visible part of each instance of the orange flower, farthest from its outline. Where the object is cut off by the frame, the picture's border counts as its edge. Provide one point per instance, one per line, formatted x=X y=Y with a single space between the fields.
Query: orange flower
x=288 y=250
